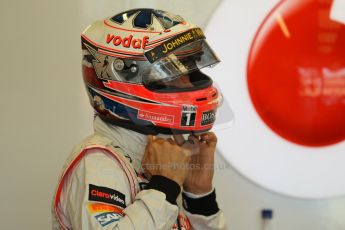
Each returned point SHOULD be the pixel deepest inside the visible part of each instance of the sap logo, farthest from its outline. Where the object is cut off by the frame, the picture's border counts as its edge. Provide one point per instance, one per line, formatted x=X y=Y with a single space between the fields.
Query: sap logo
x=107 y=218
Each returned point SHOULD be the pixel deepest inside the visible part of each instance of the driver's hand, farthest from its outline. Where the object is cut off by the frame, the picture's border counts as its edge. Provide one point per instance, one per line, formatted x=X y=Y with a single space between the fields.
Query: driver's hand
x=201 y=168
x=166 y=158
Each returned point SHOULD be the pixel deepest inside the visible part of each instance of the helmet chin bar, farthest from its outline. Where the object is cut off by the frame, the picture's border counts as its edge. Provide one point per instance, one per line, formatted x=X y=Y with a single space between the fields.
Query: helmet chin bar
x=197 y=78
x=146 y=130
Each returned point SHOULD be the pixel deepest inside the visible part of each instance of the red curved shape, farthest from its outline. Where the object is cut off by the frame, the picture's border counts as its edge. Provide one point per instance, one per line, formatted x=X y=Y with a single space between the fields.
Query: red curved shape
x=296 y=73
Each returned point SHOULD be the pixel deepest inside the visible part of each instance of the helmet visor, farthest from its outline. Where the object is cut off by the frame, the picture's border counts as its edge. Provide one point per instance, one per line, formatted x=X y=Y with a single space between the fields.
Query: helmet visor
x=180 y=62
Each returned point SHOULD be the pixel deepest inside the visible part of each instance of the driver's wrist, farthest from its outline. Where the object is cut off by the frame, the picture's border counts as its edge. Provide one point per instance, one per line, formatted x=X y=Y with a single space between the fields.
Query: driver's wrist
x=170 y=188
x=205 y=205
x=197 y=190
x=194 y=195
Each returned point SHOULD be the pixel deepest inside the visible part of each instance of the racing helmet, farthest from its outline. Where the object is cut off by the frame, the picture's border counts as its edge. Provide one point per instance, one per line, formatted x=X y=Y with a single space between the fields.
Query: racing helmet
x=141 y=69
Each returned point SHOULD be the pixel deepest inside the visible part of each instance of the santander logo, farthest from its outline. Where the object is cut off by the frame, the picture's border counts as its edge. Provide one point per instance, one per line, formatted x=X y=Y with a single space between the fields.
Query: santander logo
x=127 y=42
x=155 y=117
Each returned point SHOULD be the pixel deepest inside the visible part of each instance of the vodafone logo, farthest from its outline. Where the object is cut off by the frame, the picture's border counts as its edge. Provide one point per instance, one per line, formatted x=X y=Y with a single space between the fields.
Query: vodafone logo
x=127 y=42
x=303 y=99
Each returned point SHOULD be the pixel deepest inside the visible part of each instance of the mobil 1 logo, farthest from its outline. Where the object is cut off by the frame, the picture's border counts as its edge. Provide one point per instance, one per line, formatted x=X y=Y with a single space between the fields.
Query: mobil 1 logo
x=188 y=115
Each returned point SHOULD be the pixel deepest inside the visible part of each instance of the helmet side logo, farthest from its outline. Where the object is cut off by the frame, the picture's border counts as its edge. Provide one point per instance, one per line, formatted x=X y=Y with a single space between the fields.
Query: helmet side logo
x=127 y=42
x=208 y=117
x=188 y=115
x=103 y=65
x=173 y=44
x=155 y=117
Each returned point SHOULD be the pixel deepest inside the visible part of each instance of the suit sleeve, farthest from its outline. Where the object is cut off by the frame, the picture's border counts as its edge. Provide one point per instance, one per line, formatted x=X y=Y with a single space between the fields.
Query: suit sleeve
x=99 y=198
x=203 y=212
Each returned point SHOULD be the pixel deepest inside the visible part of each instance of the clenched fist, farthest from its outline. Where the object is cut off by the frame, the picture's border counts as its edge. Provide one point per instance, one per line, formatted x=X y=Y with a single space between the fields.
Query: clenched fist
x=166 y=158
x=201 y=168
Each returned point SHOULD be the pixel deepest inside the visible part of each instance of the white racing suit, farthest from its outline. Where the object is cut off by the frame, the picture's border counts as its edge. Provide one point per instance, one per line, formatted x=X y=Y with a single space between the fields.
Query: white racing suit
x=102 y=187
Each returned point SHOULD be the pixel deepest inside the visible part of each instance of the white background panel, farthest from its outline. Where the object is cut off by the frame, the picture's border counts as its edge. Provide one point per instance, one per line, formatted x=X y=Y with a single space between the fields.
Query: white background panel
x=250 y=146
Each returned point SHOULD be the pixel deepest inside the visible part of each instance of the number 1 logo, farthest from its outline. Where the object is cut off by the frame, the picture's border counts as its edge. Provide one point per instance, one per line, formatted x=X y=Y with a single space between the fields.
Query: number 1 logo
x=188 y=118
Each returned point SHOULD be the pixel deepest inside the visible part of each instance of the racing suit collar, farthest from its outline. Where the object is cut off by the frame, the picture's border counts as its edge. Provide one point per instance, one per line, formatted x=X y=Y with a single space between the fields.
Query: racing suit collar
x=131 y=143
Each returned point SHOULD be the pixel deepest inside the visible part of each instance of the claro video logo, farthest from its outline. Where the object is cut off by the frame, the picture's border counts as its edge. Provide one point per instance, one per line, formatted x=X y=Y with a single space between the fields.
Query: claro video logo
x=106 y=195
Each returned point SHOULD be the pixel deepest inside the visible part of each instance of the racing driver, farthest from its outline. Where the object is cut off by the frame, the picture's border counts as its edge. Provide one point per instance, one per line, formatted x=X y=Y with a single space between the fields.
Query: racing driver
x=149 y=163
